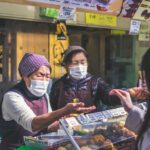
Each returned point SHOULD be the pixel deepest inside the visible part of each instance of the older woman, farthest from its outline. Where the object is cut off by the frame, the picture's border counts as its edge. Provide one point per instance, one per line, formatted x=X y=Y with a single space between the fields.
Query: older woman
x=77 y=83
x=25 y=109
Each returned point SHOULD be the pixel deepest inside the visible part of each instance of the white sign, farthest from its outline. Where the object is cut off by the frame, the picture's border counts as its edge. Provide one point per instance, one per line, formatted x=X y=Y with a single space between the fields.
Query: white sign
x=134 y=27
x=67 y=12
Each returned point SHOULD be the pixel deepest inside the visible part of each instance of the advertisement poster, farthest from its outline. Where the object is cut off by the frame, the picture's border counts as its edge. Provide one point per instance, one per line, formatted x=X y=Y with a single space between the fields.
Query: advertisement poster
x=105 y=6
x=130 y=7
x=144 y=34
x=143 y=12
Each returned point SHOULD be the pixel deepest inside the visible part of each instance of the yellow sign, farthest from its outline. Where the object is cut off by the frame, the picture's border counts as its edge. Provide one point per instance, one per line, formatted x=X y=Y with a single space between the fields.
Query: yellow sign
x=118 y=32
x=101 y=19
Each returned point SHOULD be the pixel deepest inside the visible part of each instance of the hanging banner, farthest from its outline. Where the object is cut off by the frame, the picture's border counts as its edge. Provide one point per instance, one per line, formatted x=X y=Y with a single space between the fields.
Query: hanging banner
x=101 y=19
x=130 y=7
x=143 y=12
x=106 y=6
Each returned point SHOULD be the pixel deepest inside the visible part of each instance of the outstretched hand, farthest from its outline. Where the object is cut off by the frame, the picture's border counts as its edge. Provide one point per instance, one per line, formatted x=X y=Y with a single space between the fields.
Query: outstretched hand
x=78 y=108
x=125 y=98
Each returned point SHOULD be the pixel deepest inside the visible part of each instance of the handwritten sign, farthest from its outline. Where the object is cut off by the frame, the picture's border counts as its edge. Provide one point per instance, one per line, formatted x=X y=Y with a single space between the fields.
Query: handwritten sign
x=101 y=19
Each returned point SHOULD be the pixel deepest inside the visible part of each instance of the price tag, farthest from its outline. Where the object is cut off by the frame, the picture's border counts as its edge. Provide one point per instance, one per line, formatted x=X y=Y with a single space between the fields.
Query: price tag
x=72 y=121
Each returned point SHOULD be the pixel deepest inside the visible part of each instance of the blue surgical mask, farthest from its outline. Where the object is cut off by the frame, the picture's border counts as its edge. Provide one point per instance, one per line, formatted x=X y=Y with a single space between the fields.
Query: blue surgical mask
x=38 y=87
x=78 y=72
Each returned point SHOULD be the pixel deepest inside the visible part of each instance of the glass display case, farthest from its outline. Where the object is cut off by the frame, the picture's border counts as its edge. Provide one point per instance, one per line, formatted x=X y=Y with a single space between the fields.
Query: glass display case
x=95 y=131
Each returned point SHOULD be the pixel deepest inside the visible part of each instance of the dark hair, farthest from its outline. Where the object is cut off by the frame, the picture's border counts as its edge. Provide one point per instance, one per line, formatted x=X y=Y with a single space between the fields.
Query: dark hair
x=68 y=58
x=145 y=66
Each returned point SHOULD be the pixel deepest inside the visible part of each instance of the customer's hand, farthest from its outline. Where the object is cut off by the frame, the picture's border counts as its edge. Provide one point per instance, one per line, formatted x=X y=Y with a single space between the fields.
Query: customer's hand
x=124 y=97
x=78 y=108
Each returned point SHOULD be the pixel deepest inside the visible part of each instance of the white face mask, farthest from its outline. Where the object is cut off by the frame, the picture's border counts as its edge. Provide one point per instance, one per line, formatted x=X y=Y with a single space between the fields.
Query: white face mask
x=78 y=72
x=38 y=87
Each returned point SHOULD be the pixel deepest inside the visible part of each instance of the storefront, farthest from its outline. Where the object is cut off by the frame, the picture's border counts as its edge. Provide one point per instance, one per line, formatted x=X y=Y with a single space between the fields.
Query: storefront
x=23 y=30
x=114 y=54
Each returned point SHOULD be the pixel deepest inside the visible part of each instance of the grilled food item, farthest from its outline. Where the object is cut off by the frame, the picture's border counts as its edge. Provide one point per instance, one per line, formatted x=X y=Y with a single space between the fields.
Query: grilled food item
x=132 y=91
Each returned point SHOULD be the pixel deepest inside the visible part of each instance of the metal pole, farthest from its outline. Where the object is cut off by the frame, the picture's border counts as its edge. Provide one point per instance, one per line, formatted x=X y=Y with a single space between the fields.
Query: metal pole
x=69 y=135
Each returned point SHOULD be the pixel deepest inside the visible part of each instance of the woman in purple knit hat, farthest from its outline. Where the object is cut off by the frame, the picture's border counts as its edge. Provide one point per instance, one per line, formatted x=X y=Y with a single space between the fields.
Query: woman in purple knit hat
x=25 y=109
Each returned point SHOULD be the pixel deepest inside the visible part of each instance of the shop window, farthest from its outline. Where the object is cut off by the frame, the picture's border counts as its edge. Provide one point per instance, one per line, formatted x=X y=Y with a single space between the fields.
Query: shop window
x=120 y=61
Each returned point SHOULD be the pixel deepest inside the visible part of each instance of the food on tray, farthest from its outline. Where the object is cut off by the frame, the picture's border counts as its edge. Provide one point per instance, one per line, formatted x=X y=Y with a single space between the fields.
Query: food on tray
x=132 y=91
x=103 y=134
x=99 y=138
x=69 y=146
x=61 y=148
x=85 y=148
x=82 y=131
x=109 y=145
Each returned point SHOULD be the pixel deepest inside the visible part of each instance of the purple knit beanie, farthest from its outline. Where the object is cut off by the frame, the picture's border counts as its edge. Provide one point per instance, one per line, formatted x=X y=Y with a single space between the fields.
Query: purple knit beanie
x=30 y=63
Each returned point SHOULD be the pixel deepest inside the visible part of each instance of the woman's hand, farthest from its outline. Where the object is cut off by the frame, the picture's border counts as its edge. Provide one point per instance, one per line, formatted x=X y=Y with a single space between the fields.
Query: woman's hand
x=124 y=97
x=53 y=127
x=78 y=108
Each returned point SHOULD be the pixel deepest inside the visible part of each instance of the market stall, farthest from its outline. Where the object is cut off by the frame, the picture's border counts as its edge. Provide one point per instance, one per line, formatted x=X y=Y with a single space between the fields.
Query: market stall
x=95 y=131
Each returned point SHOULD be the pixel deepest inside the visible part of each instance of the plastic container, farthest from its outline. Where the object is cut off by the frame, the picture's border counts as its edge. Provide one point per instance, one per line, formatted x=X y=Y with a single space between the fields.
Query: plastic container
x=105 y=136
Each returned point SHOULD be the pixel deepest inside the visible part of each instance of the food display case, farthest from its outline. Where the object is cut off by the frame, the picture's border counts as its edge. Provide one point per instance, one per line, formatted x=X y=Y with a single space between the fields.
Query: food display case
x=95 y=131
